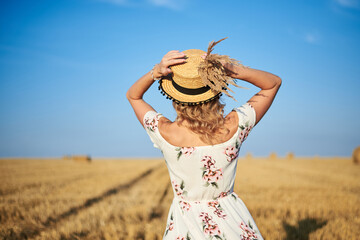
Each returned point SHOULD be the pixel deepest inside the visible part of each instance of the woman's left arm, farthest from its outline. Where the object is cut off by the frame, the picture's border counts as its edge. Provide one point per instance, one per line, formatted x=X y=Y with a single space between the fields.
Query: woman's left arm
x=137 y=90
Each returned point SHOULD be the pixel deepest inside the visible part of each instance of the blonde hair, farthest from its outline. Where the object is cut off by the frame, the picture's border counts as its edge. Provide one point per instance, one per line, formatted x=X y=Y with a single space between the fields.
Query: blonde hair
x=206 y=119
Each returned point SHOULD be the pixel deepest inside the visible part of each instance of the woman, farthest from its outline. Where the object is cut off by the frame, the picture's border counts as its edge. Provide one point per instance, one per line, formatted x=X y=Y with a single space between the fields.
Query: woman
x=201 y=146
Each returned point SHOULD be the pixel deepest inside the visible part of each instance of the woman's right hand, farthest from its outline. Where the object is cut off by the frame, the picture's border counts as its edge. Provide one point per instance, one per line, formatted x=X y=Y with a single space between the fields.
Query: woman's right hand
x=171 y=58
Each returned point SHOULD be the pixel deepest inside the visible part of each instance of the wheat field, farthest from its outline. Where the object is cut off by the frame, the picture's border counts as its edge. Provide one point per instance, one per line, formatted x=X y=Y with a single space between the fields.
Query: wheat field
x=129 y=199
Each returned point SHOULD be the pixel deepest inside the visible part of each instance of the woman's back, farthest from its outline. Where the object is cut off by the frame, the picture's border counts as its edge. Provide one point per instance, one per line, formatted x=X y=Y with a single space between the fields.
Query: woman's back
x=180 y=135
x=202 y=178
x=188 y=164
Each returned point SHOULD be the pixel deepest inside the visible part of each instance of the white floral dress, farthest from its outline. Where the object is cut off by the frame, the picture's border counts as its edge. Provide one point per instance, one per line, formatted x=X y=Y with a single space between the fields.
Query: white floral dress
x=204 y=204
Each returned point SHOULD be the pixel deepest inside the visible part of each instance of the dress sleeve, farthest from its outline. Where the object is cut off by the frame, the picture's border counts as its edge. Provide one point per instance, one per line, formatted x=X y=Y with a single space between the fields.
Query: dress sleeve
x=247 y=119
x=150 y=122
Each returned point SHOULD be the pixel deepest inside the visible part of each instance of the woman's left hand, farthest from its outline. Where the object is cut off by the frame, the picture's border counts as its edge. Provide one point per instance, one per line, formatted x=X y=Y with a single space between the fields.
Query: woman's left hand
x=171 y=58
x=227 y=66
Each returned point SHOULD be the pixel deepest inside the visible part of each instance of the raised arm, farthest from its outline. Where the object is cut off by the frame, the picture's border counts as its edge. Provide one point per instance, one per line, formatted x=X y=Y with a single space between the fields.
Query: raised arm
x=137 y=90
x=268 y=82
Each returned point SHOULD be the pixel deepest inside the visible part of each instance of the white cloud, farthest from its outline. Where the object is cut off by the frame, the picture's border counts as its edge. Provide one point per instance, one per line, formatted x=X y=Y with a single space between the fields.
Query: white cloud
x=349 y=3
x=171 y=4
x=116 y=2
x=311 y=37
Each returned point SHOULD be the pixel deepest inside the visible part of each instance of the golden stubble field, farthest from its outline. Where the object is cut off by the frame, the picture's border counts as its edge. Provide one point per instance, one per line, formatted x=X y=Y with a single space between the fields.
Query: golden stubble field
x=129 y=199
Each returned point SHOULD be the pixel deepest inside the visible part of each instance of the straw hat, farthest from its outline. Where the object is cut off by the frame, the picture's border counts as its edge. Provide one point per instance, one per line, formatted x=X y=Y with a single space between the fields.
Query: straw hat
x=198 y=80
x=185 y=86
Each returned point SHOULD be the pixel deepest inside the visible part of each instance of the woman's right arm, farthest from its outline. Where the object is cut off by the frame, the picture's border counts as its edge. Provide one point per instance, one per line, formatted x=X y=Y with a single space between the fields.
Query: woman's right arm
x=268 y=82
x=138 y=89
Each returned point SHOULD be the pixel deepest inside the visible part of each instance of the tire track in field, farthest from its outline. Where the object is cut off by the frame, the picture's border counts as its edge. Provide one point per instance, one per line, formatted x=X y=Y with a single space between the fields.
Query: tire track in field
x=144 y=217
x=45 y=189
x=53 y=221
x=52 y=187
x=158 y=211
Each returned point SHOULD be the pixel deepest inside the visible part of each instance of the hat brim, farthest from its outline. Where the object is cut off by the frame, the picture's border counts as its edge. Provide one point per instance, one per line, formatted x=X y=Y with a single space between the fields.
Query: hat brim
x=167 y=88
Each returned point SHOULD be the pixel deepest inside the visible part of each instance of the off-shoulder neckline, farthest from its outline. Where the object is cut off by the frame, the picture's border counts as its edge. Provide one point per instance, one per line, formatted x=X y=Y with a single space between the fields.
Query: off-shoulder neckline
x=204 y=146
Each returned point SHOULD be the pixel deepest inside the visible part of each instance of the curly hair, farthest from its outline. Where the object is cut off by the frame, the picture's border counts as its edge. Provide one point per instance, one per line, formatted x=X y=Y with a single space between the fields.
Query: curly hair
x=206 y=119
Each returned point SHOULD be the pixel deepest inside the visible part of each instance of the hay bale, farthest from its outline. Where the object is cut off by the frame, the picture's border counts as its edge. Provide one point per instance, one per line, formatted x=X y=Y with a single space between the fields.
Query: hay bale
x=273 y=156
x=356 y=155
x=78 y=158
x=81 y=158
x=290 y=156
x=248 y=156
x=66 y=157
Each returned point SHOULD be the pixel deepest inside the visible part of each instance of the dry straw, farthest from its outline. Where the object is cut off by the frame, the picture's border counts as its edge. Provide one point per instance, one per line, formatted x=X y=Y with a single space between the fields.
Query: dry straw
x=213 y=73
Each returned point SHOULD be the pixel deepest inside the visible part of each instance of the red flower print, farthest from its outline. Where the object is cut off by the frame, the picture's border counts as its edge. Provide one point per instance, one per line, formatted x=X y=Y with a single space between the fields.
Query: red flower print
x=218 y=211
x=248 y=232
x=223 y=194
x=187 y=151
x=231 y=153
x=209 y=226
x=185 y=205
x=152 y=123
x=179 y=189
x=208 y=161
x=184 y=238
x=170 y=225
x=245 y=130
x=211 y=174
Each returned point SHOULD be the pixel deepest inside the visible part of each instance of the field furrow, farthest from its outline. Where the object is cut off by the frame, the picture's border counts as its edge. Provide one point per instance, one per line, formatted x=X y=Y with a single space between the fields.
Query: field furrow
x=123 y=215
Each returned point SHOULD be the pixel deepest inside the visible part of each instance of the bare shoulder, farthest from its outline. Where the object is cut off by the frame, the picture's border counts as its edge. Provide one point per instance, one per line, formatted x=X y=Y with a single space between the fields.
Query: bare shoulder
x=164 y=124
x=169 y=130
x=232 y=119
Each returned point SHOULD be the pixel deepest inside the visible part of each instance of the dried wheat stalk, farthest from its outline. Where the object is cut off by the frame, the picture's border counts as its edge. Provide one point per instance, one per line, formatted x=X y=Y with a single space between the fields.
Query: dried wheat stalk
x=213 y=73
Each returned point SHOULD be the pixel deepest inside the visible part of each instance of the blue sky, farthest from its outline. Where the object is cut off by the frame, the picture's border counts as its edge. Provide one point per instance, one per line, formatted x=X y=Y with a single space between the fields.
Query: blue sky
x=65 y=67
